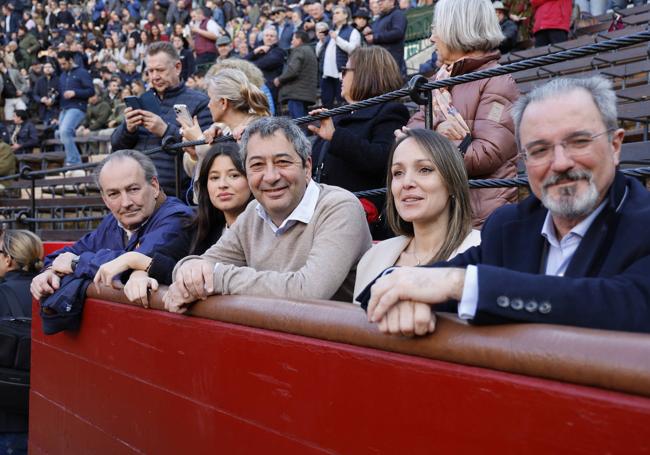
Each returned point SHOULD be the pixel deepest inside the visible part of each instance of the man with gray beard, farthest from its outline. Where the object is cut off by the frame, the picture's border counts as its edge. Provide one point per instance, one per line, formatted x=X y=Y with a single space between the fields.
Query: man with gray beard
x=576 y=252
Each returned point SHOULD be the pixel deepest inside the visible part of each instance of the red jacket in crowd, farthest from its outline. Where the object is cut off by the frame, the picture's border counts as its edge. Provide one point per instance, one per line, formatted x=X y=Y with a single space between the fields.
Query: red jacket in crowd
x=552 y=14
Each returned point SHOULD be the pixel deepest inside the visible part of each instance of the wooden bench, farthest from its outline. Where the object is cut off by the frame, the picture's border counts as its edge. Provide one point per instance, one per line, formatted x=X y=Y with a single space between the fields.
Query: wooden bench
x=635 y=154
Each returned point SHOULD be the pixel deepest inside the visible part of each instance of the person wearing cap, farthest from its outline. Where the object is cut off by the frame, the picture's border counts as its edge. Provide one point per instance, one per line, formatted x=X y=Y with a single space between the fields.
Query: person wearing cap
x=361 y=18
x=508 y=27
x=283 y=25
x=225 y=49
x=205 y=32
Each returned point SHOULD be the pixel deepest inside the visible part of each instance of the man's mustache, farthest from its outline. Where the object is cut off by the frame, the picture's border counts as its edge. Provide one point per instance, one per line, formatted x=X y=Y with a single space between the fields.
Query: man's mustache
x=573 y=175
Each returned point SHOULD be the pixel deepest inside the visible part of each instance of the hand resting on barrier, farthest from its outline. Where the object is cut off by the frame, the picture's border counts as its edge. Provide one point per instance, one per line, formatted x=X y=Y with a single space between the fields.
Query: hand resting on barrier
x=194 y=281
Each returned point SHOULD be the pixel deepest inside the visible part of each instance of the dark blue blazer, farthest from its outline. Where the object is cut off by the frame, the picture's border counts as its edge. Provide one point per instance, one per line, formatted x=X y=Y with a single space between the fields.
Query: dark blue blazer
x=607 y=283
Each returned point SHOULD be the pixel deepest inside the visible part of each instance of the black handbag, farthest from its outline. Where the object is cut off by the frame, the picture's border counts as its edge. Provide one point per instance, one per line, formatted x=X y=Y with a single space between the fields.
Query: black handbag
x=15 y=354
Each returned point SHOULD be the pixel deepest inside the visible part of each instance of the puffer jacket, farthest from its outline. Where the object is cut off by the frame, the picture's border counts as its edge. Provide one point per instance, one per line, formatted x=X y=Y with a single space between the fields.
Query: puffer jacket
x=551 y=14
x=299 y=79
x=485 y=105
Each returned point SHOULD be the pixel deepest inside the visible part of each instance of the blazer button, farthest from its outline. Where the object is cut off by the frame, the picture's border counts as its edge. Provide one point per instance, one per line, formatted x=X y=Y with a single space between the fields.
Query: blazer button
x=544 y=308
x=531 y=306
x=503 y=301
x=517 y=304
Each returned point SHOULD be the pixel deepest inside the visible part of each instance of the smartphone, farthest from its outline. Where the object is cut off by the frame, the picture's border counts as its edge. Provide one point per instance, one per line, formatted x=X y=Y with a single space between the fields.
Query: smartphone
x=133 y=102
x=183 y=113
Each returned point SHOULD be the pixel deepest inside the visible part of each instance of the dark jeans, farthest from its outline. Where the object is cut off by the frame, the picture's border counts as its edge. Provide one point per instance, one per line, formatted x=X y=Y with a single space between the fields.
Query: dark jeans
x=297 y=108
x=330 y=90
x=550 y=36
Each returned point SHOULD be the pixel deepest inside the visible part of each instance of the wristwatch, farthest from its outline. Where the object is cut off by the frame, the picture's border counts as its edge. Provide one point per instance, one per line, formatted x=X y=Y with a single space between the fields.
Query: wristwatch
x=73 y=263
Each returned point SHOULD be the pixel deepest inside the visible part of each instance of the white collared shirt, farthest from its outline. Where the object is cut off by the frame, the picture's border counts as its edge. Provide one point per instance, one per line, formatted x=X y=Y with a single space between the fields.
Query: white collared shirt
x=302 y=213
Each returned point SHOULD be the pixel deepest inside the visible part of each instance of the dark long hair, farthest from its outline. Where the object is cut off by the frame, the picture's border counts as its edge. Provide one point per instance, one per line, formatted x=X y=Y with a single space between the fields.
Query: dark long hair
x=210 y=221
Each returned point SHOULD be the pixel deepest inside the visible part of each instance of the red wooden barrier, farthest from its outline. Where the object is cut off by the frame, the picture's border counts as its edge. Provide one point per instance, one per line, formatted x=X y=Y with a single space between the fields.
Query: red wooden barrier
x=144 y=381
x=51 y=247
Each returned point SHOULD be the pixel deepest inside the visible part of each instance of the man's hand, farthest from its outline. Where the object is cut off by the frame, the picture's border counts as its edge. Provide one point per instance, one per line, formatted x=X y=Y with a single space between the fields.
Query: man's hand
x=194 y=279
x=153 y=123
x=261 y=50
x=44 y=284
x=15 y=146
x=63 y=263
x=133 y=118
x=276 y=82
x=19 y=93
x=428 y=285
x=68 y=94
x=333 y=35
x=369 y=38
x=408 y=319
x=174 y=300
x=139 y=286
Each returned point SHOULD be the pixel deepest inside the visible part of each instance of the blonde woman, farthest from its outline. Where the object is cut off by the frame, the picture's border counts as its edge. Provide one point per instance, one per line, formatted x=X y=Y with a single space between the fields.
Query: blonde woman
x=21 y=258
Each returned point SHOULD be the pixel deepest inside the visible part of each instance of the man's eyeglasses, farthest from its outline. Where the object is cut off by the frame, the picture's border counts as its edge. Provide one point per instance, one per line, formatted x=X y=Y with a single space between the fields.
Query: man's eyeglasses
x=345 y=70
x=574 y=146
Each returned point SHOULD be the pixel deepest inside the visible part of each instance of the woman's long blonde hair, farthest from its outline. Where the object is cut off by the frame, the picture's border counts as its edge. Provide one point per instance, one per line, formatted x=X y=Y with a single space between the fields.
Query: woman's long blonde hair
x=243 y=96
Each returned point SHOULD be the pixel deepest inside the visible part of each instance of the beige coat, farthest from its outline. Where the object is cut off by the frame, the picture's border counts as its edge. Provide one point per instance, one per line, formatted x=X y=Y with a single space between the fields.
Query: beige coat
x=386 y=253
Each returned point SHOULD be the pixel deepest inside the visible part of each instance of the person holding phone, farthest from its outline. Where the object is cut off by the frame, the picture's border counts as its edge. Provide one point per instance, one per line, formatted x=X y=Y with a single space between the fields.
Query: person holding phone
x=144 y=129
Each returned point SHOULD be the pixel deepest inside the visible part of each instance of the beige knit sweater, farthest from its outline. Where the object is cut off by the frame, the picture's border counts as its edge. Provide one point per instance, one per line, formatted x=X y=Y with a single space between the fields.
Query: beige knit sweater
x=309 y=261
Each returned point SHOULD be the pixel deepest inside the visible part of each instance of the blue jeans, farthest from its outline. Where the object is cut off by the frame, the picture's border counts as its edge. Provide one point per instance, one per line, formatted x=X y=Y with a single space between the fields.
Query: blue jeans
x=297 y=108
x=13 y=443
x=69 y=121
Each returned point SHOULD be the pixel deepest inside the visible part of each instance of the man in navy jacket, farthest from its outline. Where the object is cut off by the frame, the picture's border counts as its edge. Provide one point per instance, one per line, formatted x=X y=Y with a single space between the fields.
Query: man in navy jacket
x=142 y=130
x=575 y=253
x=75 y=87
x=143 y=219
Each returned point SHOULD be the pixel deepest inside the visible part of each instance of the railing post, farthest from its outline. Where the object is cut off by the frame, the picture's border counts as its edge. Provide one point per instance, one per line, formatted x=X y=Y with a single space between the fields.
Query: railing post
x=422 y=98
x=25 y=173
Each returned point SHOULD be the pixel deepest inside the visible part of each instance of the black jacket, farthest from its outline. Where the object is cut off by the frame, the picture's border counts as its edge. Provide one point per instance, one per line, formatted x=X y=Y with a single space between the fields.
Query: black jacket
x=270 y=63
x=15 y=286
x=357 y=157
x=27 y=138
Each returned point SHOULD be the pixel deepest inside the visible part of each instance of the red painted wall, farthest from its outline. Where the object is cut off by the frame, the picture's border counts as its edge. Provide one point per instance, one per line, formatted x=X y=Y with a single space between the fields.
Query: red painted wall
x=145 y=381
x=51 y=247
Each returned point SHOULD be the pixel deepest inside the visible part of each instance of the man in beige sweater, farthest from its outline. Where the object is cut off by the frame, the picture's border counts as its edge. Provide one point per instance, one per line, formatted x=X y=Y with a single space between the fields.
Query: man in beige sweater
x=298 y=239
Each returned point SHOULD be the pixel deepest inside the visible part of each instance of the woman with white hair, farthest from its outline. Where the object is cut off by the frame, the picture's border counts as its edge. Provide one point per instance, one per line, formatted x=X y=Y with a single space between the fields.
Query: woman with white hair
x=474 y=115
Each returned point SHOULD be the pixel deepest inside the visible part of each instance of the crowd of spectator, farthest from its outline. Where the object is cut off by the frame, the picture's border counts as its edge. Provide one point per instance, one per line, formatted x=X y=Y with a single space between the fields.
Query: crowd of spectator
x=274 y=215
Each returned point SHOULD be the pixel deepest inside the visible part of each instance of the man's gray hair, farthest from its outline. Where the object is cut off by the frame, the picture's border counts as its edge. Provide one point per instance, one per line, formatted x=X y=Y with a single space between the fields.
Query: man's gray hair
x=467 y=25
x=267 y=126
x=143 y=160
x=598 y=87
x=165 y=47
